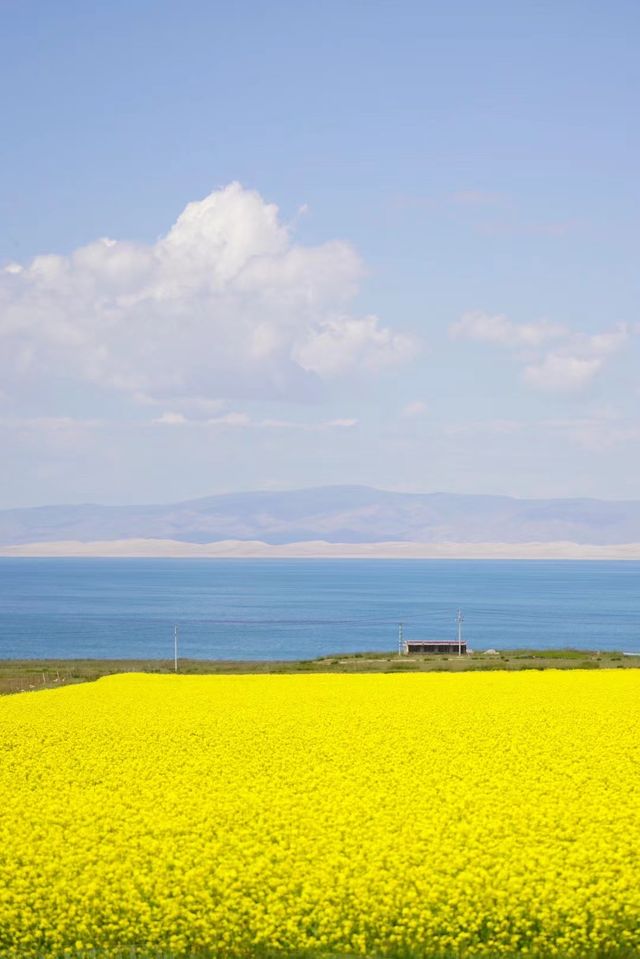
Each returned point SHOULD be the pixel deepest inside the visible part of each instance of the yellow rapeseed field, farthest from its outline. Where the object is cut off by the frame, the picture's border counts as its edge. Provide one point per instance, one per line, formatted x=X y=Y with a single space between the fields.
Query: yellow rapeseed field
x=492 y=814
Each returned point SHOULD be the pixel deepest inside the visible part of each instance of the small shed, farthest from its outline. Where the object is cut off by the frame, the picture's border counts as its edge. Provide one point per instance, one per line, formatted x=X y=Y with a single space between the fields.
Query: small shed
x=425 y=646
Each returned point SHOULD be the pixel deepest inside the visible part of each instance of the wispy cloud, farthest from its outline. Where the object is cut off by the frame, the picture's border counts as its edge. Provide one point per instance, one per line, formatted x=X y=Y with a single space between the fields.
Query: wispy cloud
x=516 y=227
x=171 y=419
x=477 y=198
x=244 y=421
x=498 y=329
x=50 y=424
x=413 y=410
x=66 y=435
x=489 y=427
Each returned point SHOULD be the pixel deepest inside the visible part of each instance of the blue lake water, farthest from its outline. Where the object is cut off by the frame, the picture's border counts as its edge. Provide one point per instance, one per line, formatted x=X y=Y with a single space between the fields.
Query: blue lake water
x=281 y=609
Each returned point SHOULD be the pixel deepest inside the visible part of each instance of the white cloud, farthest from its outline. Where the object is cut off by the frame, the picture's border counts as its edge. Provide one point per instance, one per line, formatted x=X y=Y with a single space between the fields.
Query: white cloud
x=346 y=423
x=574 y=366
x=556 y=372
x=322 y=426
x=602 y=430
x=570 y=365
x=342 y=343
x=489 y=427
x=498 y=329
x=243 y=420
x=474 y=198
x=414 y=409
x=229 y=419
x=602 y=344
x=58 y=435
x=225 y=304
x=171 y=419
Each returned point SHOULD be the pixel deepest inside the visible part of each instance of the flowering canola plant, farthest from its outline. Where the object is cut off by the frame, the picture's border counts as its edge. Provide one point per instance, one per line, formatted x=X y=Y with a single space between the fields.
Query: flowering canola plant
x=487 y=814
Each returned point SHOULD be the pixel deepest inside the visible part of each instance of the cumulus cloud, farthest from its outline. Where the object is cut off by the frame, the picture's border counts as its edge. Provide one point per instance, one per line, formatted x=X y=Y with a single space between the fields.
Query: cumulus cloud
x=573 y=366
x=343 y=343
x=568 y=365
x=224 y=305
x=561 y=373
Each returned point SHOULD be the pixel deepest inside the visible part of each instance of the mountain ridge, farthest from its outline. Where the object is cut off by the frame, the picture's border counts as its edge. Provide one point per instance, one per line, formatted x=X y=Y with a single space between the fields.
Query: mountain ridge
x=335 y=514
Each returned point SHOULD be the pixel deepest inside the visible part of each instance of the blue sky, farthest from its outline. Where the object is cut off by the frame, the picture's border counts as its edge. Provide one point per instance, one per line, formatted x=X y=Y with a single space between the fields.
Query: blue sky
x=444 y=299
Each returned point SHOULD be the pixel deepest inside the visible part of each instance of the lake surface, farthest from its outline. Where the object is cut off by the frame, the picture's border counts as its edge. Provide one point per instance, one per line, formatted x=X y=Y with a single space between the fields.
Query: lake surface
x=289 y=609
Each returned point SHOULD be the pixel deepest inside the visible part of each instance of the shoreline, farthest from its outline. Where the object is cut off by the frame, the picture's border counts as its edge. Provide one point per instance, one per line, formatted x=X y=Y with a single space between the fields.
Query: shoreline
x=319 y=549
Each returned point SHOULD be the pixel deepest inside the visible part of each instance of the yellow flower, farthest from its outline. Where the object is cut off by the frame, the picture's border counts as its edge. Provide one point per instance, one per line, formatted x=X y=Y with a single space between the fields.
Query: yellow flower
x=477 y=814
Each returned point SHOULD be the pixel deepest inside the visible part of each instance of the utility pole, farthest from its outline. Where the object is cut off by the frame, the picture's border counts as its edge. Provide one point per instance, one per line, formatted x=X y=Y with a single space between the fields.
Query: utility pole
x=400 y=640
x=459 y=621
x=175 y=649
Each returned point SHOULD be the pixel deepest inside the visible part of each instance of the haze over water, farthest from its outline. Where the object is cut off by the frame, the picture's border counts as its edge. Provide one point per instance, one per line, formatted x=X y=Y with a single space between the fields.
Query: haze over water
x=280 y=609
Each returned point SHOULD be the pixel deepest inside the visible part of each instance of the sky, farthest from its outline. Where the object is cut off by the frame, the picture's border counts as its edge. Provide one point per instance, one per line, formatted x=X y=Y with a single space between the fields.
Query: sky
x=270 y=245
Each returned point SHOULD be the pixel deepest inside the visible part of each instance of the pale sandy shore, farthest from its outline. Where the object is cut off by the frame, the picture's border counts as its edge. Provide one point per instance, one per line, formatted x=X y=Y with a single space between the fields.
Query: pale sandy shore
x=255 y=549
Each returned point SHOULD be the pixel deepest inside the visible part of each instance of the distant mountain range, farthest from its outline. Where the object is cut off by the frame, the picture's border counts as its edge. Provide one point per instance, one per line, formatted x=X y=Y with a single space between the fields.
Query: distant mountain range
x=334 y=514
